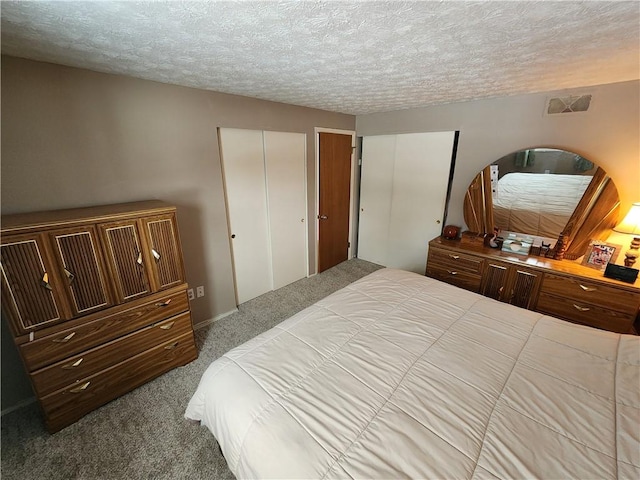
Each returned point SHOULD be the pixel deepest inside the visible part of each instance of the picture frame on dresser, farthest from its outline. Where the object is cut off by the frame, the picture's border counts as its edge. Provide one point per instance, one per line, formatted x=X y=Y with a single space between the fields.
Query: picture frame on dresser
x=599 y=254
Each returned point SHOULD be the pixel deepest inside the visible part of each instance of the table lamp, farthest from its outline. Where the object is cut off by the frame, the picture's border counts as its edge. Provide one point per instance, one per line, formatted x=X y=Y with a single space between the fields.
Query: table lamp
x=631 y=226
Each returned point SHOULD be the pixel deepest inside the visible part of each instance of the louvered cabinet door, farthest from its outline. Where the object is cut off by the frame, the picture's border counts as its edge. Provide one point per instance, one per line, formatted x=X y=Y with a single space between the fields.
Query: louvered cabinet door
x=523 y=287
x=124 y=254
x=31 y=293
x=164 y=248
x=84 y=276
x=494 y=281
x=511 y=284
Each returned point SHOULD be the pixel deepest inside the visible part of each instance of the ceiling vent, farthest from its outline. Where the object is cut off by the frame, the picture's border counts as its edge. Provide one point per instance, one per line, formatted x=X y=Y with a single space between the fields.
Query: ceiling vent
x=568 y=104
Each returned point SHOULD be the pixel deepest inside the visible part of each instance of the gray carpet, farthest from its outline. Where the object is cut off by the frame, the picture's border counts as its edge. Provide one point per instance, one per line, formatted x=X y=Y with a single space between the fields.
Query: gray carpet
x=144 y=434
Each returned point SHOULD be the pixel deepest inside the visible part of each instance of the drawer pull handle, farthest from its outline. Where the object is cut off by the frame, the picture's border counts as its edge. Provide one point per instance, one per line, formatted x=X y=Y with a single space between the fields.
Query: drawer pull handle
x=172 y=346
x=80 y=388
x=73 y=365
x=581 y=309
x=587 y=289
x=45 y=281
x=452 y=272
x=163 y=304
x=167 y=326
x=65 y=339
x=455 y=257
x=69 y=275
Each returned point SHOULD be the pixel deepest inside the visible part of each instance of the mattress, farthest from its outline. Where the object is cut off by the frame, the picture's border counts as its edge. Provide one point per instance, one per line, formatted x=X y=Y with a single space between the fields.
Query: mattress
x=402 y=376
x=537 y=204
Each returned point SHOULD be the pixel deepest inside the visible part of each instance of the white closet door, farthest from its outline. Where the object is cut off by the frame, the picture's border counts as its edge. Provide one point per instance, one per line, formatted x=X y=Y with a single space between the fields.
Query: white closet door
x=420 y=179
x=404 y=182
x=376 y=185
x=285 y=159
x=244 y=178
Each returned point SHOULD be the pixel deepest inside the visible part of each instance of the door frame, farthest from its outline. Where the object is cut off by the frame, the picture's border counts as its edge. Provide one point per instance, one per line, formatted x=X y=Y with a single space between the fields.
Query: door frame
x=352 y=133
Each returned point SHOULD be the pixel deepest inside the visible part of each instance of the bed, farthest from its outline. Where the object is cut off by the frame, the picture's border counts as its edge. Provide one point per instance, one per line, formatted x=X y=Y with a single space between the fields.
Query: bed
x=537 y=203
x=402 y=376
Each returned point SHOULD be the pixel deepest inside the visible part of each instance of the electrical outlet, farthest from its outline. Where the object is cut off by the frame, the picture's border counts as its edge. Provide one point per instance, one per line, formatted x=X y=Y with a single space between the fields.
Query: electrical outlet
x=200 y=291
x=190 y=294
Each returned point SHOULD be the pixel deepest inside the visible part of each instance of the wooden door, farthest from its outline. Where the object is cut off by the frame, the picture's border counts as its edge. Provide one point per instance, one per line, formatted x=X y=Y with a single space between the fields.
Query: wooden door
x=335 y=157
x=80 y=259
x=126 y=259
x=242 y=153
x=163 y=246
x=30 y=288
x=285 y=160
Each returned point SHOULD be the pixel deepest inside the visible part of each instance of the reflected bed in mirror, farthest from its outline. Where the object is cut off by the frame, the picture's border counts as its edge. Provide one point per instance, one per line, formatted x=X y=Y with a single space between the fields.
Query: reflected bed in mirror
x=536 y=191
x=547 y=193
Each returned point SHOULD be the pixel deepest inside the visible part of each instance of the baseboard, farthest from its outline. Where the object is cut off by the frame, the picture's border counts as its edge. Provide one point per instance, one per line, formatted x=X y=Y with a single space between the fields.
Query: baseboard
x=20 y=404
x=206 y=323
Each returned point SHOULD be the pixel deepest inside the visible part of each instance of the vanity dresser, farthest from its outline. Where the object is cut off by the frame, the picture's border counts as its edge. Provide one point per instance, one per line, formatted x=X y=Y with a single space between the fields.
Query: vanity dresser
x=563 y=200
x=561 y=288
x=96 y=301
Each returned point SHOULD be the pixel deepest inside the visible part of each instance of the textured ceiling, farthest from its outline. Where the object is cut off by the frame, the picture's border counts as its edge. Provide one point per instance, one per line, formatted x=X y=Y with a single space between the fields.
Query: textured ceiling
x=345 y=56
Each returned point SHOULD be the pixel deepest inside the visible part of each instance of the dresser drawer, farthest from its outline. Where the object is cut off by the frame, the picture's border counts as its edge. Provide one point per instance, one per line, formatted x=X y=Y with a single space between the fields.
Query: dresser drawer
x=66 y=406
x=454 y=261
x=581 y=290
x=459 y=278
x=47 y=350
x=69 y=370
x=586 y=313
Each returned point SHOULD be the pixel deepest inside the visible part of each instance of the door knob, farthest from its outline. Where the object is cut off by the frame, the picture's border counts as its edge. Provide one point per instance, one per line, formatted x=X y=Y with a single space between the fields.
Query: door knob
x=322 y=217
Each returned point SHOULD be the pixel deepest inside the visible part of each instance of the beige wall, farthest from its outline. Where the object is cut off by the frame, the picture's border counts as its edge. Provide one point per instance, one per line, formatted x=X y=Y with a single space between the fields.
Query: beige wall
x=73 y=137
x=608 y=133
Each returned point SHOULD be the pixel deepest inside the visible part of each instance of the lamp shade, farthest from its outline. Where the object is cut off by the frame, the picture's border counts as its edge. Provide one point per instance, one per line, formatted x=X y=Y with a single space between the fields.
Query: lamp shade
x=631 y=222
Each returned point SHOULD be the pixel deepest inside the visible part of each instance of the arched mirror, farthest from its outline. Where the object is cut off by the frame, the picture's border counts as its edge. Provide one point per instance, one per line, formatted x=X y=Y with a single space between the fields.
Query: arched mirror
x=556 y=195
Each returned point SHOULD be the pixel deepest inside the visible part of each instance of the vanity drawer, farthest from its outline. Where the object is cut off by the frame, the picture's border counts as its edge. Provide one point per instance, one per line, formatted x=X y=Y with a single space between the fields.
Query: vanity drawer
x=68 y=405
x=586 y=313
x=581 y=290
x=459 y=278
x=454 y=261
x=47 y=350
x=67 y=371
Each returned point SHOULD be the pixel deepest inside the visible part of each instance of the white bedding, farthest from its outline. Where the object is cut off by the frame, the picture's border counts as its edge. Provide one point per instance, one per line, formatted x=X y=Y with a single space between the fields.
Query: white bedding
x=400 y=375
x=537 y=204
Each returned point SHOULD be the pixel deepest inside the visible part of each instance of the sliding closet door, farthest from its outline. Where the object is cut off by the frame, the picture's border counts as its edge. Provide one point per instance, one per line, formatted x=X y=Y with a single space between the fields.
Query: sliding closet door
x=420 y=179
x=403 y=192
x=285 y=158
x=244 y=178
x=376 y=186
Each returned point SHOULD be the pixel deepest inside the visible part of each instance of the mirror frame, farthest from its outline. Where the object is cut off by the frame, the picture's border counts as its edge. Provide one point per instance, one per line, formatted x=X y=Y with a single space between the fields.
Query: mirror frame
x=594 y=216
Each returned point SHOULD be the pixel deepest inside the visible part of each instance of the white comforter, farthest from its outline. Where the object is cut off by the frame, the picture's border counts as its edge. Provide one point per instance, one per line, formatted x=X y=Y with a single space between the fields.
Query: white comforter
x=399 y=375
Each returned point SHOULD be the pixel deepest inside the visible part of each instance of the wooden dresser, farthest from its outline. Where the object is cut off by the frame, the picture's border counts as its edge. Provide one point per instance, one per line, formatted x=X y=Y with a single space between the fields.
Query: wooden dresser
x=563 y=289
x=96 y=301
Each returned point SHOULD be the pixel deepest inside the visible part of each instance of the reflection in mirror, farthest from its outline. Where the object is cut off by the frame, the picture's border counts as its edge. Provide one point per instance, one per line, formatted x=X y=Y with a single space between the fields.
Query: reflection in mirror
x=535 y=191
x=546 y=193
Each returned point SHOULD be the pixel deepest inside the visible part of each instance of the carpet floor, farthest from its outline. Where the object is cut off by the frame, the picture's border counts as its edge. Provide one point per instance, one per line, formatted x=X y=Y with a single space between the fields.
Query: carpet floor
x=143 y=435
